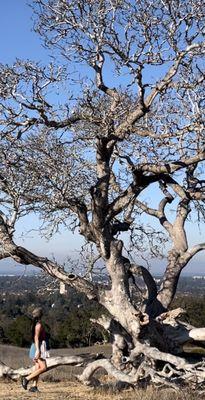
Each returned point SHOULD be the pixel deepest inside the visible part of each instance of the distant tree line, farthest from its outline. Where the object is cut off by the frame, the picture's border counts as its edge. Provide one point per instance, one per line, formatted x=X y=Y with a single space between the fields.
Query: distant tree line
x=194 y=306
x=66 y=319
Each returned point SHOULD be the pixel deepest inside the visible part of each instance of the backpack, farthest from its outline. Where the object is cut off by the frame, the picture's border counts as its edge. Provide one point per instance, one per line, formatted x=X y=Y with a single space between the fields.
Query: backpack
x=47 y=340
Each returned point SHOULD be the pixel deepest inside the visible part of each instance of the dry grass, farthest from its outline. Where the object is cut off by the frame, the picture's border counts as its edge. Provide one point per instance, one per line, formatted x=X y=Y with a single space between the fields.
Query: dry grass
x=76 y=391
x=16 y=357
x=60 y=383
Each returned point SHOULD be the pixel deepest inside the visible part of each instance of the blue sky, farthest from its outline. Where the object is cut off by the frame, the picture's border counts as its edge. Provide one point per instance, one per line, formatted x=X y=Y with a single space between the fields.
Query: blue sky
x=17 y=40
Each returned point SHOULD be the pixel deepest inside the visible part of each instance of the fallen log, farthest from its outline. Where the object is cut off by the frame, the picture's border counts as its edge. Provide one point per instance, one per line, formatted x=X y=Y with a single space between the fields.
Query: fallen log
x=52 y=362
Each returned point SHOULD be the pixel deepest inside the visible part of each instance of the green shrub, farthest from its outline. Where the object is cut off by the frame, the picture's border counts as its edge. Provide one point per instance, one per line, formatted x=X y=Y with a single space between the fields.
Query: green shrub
x=18 y=332
x=194 y=307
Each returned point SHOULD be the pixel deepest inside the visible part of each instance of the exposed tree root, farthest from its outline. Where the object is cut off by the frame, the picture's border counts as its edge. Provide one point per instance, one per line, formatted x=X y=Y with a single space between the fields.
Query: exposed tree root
x=140 y=367
x=159 y=362
x=52 y=362
x=142 y=363
x=87 y=375
x=172 y=372
x=156 y=354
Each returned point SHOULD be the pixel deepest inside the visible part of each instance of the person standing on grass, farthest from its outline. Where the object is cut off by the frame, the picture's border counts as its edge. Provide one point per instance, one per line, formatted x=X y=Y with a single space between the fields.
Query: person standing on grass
x=38 y=351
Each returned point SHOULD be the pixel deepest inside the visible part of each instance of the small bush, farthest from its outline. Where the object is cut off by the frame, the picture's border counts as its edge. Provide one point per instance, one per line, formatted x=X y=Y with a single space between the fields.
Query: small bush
x=18 y=332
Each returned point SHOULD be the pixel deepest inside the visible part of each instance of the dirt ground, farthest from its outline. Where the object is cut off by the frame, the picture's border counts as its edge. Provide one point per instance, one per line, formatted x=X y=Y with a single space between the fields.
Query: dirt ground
x=61 y=383
x=76 y=391
x=48 y=391
x=56 y=391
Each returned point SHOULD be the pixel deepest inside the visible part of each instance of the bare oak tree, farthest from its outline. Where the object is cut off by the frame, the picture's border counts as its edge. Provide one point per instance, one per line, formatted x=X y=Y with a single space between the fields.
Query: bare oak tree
x=119 y=115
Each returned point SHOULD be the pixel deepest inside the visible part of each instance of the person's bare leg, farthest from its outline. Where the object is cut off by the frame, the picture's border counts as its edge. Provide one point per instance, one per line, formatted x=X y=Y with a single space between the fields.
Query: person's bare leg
x=35 y=380
x=42 y=368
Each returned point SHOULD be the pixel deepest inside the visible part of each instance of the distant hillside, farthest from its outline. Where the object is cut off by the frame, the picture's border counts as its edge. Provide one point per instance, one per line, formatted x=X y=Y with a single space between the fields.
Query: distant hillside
x=39 y=282
x=67 y=317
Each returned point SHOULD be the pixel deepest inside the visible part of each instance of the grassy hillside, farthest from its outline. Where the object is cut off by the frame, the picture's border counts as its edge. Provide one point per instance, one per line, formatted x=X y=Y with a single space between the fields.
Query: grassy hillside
x=61 y=383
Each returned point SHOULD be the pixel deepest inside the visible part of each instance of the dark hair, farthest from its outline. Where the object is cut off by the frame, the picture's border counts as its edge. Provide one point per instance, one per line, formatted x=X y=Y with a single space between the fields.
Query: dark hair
x=33 y=327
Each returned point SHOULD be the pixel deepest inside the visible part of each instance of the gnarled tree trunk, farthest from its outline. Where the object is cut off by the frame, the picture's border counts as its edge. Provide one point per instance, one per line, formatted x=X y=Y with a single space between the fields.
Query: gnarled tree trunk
x=87 y=163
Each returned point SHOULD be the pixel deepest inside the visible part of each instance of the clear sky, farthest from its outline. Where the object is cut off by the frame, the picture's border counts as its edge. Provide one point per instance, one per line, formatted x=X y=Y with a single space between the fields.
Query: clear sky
x=16 y=37
x=17 y=40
